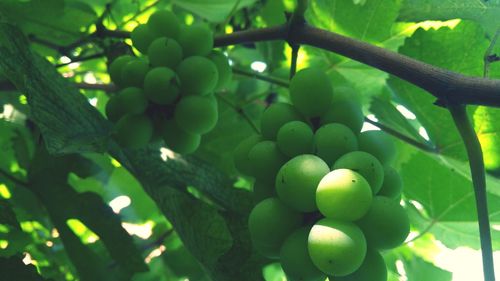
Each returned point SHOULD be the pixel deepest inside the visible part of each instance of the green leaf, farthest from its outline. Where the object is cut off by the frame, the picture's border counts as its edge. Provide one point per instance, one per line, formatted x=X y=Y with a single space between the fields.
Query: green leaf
x=417 y=269
x=484 y=12
x=448 y=200
x=216 y=11
x=488 y=131
x=13 y=268
x=68 y=122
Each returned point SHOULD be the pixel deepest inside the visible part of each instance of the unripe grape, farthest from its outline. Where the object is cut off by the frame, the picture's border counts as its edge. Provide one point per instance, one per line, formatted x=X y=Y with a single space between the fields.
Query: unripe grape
x=347 y=112
x=196 y=40
x=198 y=76
x=134 y=131
x=130 y=100
x=378 y=144
x=164 y=24
x=116 y=68
x=392 y=185
x=223 y=68
x=196 y=114
x=134 y=72
x=295 y=138
x=337 y=248
x=295 y=260
x=270 y=222
x=275 y=116
x=331 y=141
x=298 y=179
x=343 y=194
x=240 y=154
x=165 y=52
x=161 y=86
x=141 y=38
x=366 y=165
x=311 y=92
x=263 y=190
x=372 y=269
x=266 y=160
x=179 y=140
x=386 y=224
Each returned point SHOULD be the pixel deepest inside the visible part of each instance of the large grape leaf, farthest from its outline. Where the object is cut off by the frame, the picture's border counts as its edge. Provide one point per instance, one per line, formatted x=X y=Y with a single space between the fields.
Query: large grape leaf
x=378 y=27
x=213 y=232
x=55 y=105
x=488 y=130
x=216 y=10
x=448 y=200
x=484 y=12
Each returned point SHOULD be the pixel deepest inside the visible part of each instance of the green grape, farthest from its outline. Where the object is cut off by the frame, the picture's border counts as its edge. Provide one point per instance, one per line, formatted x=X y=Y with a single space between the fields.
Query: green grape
x=130 y=100
x=134 y=131
x=392 y=185
x=266 y=160
x=347 y=112
x=240 y=154
x=161 y=86
x=295 y=138
x=196 y=40
x=198 y=76
x=263 y=190
x=269 y=224
x=386 y=225
x=298 y=179
x=275 y=116
x=134 y=72
x=366 y=165
x=295 y=259
x=343 y=194
x=378 y=144
x=223 y=68
x=197 y=114
x=337 y=248
x=331 y=141
x=372 y=269
x=116 y=68
x=311 y=92
x=165 y=52
x=164 y=24
x=141 y=38
x=179 y=140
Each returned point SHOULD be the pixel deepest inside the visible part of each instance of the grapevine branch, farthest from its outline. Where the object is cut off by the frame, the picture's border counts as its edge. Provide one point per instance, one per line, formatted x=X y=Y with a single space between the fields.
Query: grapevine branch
x=443 y=84
x=476 y=162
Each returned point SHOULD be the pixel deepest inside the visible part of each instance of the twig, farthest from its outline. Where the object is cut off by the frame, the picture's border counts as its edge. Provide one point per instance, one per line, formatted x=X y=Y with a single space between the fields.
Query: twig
x=270 y=79
x=411 y=141
x=240 y=111
x=293 y=64
x=476 y=162
x=80 y=59
x=140 y=12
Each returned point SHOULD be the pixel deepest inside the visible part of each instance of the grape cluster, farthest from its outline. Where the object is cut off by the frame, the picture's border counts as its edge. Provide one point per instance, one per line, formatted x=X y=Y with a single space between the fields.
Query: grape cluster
x=327 y=199
x=167 y=93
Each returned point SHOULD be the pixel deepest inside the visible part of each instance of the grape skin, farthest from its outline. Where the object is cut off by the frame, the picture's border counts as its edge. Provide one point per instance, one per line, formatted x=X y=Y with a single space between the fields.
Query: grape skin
x=240 y=154
x=129 y=100
x=116 y=67
x=366 y=165
x=392 y=185
x=295 y=260
x=165 y=52
x=311 y=92
x=298 y=179
x=386 y=224
x=266 y=160
x=134 y=131
x=179 y=140
x=223 y=68
x=295 y=138
x=161 y=86
x=141 y=38
x=343 y=194
x=276 y=116
x=337 y=248
x=331 y=141
x=196 y=40
x=198 y=76
x=197 y=114
x=134 y=72
x=346 y=112
x=378 y=144
x=372 y=269
x=164 y=23
x=270 y=222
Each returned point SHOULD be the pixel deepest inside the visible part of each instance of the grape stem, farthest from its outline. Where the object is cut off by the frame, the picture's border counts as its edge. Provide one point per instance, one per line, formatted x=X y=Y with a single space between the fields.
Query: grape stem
x=475 y=155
